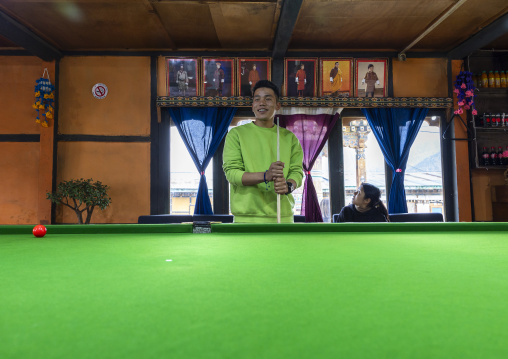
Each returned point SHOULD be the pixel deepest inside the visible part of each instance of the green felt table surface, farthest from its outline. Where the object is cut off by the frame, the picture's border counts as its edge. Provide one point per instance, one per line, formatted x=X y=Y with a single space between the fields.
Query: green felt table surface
x=392 y=290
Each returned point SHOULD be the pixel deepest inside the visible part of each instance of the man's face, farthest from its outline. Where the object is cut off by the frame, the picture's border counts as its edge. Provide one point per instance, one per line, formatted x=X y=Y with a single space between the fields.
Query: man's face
x=337 y=65
x=371 y=68
x=218 y=65
x=253 y=67
x=302 y=66
x=264 y=104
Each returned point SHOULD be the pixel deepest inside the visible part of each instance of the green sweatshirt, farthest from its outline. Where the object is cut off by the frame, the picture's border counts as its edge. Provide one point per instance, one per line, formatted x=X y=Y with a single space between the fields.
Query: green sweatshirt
x=250 y=148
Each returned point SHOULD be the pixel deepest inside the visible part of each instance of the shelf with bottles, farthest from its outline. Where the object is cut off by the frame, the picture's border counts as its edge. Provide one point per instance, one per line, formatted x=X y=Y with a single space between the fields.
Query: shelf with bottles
x=493 y=157
x=497 y=122
x=491 y=80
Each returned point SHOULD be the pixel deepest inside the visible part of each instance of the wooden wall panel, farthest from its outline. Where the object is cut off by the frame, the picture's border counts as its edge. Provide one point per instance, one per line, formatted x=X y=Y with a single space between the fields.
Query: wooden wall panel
x=17 y=76
x=125 y=167
x=420 y=77
x=126 y=109
x=19 y=177
x=25 y=181
x=483 y=181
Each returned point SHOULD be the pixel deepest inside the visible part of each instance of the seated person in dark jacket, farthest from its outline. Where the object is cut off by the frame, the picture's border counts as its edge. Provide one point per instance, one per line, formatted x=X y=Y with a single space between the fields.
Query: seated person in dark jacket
x=366 y=206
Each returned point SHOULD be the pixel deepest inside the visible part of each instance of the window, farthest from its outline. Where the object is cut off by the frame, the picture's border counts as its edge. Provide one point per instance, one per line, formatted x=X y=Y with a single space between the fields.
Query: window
x=320 y=178
x=363 y=159
x=185 y=177
x=423 y=179
x=364 y=162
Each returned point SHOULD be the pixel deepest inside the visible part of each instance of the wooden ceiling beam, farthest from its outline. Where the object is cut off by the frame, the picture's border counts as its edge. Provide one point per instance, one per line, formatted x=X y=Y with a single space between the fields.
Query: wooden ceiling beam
x=27 y=39
x=153 y=11
x=485 y=36
x=287 y=21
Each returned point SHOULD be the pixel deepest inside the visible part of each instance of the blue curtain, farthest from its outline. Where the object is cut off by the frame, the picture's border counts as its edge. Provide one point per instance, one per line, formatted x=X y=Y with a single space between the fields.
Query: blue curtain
x=395 y=130
x=202 y=130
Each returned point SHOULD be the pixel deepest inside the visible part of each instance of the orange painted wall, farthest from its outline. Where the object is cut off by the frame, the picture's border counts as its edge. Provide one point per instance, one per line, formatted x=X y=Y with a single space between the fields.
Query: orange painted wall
x=125 y=110
x=19 y=179
x=483 y=181
x=25 y=167
x=124 y=166
x=420 y=77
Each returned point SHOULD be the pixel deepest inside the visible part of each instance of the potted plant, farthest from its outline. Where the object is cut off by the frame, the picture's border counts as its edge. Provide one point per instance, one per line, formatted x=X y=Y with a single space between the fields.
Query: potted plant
x=80 y=196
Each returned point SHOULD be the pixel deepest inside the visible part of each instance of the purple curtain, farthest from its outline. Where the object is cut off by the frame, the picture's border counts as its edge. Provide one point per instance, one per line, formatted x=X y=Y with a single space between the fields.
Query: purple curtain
x=313 y=132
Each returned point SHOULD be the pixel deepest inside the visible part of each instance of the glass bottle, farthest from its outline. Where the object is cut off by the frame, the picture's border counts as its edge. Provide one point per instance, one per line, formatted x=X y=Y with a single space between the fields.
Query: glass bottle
x=503 y=79
x=486 y=120
x=485 y=79
x=475 y=80
x=484 y=160
x=497 y=79
x=493 y=156
x=492 y=79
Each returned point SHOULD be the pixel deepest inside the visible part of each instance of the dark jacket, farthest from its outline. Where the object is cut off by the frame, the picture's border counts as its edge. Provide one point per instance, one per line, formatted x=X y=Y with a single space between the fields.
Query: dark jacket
x=350 y=214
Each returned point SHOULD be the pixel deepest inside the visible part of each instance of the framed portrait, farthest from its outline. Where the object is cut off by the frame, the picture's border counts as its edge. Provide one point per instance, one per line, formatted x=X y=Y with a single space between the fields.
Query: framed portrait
x=371 y=77
x=300 y=77
x=218 y=77
x=182 y=77
x=249 y=71
x=336 y=77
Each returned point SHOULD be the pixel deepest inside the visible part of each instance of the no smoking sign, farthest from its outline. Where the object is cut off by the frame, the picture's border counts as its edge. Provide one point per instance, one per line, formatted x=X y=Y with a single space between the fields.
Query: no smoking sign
x=99 y=91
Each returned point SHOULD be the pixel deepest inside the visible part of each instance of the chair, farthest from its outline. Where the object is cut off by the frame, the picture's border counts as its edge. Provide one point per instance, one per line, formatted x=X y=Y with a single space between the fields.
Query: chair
x=164 y=218
x=408 y=217
x=175 y=218
x=416 y=217
x=224 y=218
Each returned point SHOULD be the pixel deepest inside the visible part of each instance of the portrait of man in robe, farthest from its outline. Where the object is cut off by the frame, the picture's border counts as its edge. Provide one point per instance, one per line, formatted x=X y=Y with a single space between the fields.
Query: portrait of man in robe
x=300 y=77
x=218 y=77
x=336 y=79
x=371 y=77
x=181 y=79
x=250 y=71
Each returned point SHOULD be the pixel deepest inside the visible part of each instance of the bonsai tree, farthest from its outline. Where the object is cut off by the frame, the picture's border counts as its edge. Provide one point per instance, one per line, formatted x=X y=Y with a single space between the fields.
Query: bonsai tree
x=80 y=196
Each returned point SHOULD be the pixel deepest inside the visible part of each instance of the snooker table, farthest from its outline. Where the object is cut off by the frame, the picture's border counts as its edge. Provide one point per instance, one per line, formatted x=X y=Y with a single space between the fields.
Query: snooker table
x=313 y=290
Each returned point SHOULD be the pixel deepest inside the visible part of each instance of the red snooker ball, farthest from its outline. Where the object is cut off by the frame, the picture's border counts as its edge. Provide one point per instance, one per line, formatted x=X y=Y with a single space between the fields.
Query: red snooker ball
x=39 y=231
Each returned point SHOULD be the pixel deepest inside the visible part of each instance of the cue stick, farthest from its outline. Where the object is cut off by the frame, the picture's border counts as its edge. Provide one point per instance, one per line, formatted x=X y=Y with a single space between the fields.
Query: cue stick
x=278 y=159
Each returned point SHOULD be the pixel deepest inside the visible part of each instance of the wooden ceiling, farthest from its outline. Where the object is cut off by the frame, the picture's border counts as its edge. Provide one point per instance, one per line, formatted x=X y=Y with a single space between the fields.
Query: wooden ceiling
x=51 y=28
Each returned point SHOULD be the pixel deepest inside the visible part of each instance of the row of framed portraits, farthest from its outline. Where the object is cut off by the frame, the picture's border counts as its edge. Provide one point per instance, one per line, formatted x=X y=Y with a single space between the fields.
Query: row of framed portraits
x=303 y=77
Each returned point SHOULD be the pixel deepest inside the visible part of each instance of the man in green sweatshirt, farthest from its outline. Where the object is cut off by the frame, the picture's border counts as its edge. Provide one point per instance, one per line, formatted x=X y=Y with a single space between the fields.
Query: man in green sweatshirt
x=251 y=166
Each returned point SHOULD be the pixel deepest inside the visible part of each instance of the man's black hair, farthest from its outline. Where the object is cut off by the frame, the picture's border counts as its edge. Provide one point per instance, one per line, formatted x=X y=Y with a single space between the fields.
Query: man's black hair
x=370 y=65
x=267 y=84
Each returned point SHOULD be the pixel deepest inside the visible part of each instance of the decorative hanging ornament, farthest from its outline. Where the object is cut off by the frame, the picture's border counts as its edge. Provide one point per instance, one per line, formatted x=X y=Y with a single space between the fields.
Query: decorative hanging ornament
x=464 y=88
x=44 y=99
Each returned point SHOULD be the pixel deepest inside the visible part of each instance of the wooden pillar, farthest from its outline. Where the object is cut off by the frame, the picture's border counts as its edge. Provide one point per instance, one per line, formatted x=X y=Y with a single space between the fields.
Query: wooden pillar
x=45 y=178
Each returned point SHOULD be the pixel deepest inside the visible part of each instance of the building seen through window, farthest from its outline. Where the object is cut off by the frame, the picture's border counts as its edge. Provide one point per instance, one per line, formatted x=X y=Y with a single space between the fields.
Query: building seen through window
x=364 y=162
x=184 y=177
